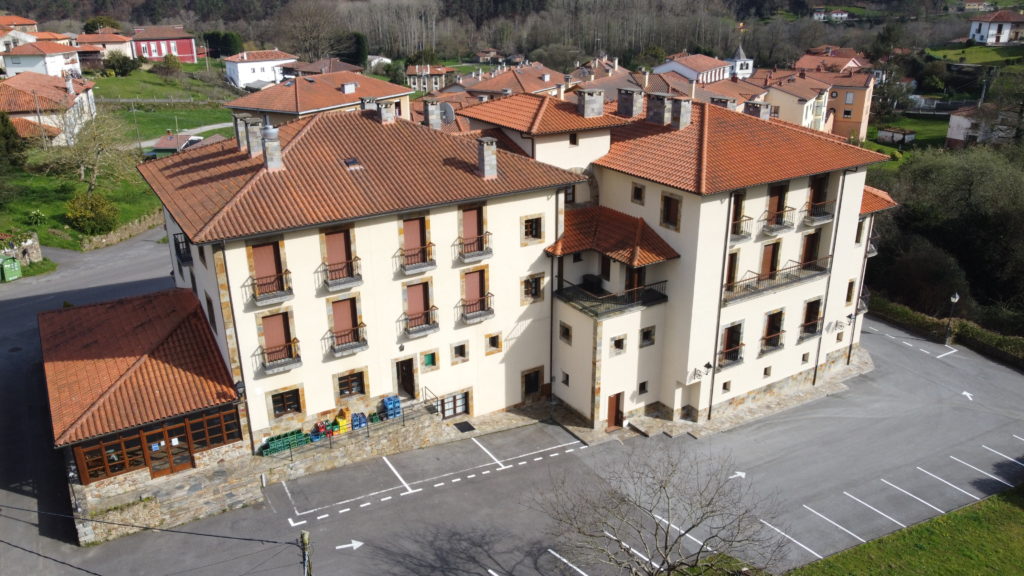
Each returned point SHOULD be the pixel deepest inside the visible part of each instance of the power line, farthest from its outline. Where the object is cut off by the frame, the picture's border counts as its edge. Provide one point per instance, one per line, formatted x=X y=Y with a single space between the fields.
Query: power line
x=153 y=528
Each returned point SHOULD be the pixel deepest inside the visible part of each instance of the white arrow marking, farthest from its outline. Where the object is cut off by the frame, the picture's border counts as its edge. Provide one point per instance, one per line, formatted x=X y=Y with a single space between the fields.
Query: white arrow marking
x=738 y=474
x=355 y=544
x=969 y=395
x=294 y=523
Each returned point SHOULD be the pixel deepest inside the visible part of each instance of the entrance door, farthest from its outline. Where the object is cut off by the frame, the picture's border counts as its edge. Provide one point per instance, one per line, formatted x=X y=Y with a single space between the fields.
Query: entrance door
x=636 y=278
x=344 y=321
x=406 y=378
x=266 y=260
x=339 y=255
x=769 y=261
x=168 y=450
x=737 y=213
x=811 y=313
x=730 y=271
x=474 y=292
x=276 y=338
x=472 y=230
x=413 y=241
x=615 y=411
x=819 y=188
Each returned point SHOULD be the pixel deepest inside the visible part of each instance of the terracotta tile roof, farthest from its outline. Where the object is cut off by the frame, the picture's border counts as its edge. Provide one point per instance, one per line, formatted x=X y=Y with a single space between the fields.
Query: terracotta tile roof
x=123 y=364
x=667 y=82
x=217 y=192
x=698 y=62
x=40 y=48
x=875 y=200
x=49 y=36
x=847 y=79
x=12 y=20
x=20 y=93
x=722 y=150
x=619 y=236
x=88 y=48
x=739 y=90
x=527 y=79
x=322 y=66
x=504 y=142
x=160 y=33
x=29 y=129
x=214 y=139
x=535 y=115
x=1000 y=16
x=457 y=100
x=317 y=92
x=427 y=70
x=828 y=63
x=102 y=38
x=260 y=56
x=173 y=142
x=806 y=88
x=599 y=68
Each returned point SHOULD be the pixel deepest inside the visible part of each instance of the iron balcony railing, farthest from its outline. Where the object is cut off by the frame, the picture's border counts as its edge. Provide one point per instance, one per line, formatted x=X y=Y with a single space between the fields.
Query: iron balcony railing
x=730 y=356
x=338 y=272
x=271 y=288
x=774 y=223
x=600 y=304
x=871 y=250
x=741 y=229
x=818 y=213
x=772 y=342
x=420 y=323
x=810 y=329
x=474 y=248
x=348 y=340
x=183 y=249
x=862 y=301
x=476 y=310
x=281 y=358
x=416 y=259
x=755 y=283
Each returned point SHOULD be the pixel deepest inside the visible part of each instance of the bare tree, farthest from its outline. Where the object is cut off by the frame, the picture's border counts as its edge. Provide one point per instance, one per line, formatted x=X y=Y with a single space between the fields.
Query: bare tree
x=657 y=513
x=307 y=27
x=99 y=154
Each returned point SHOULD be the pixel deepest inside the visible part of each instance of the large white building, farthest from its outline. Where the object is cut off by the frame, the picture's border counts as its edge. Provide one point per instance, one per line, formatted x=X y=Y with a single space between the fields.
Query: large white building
x=995 y=28
x=256 y=68
x=47 y=107
x=47 y=58
x=709 y=257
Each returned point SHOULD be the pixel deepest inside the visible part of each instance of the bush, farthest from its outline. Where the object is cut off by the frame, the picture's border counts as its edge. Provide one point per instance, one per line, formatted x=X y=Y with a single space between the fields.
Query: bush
x=7 y=195
x=35 y=218
x=91 y=213
x=169 y=67
x=121 y=64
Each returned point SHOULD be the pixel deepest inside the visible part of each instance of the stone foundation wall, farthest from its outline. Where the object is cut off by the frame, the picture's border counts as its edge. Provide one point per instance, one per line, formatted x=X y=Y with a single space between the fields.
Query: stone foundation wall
x=26 y=252
x=122 y=233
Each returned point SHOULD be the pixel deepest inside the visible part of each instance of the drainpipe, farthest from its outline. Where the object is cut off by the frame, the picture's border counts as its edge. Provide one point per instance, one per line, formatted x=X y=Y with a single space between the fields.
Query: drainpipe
x=721 y=295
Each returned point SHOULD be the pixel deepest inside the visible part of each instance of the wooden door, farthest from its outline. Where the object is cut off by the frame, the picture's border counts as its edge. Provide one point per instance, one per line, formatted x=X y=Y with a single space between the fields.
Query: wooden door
x=737 y=212
x=730 y=270
x=266 y=260
x=345 y=323
x=561 y=272
x=769 y=260
x=475 y=291
x=615 y=411
x=418 y=297
x=276 y=337
x=339 y=255
x=167 y=450
x=636 y=278
x=413 y=241
x=406 y=378
x=472 y=230
x=776 y=203
x=819 y=188
x=809 y=253
x=606 y=268
x=811 y=313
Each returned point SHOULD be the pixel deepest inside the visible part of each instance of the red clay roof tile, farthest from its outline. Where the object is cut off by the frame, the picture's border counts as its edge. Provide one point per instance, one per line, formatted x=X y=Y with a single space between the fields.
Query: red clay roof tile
x=12 y=20
x=25 y=91
x=29 y=129
x=317 y=92
x=527 y=79
x=161 y=33
x=875 y=200
x=40 y=48
x=536 y=114
x=259 y=56
x=698 y=62
x=1000 y=16
x=102 y=39
x=619 y=236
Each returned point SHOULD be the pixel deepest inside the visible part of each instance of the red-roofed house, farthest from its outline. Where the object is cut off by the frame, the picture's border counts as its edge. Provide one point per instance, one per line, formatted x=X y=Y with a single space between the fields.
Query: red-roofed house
x=427 y=77
x=19 y=23
x=47 y=107
x=1000 y=27
x=256 y=69
x=155 y=42
x=108 y=43
x=44 y=57
x=696 y=67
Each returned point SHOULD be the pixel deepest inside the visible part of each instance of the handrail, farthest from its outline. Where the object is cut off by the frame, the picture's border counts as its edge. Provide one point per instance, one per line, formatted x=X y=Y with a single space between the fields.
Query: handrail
x=264 y=285
x=811 y=328
x=343 y=269
x=286 y=351
x=819 y=210
x=771 y=342
x=348 y=335
x=589 y=302
x=732 y=355
x=416 y=255
x=424 y=318
x=476 y=305
x=778 y=218
x=742 y=226
x=771 y=279
x=474 y=244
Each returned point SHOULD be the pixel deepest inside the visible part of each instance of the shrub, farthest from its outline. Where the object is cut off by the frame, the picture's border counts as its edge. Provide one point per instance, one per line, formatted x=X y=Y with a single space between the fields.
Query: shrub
x=35 y=218
x=121 y=64
x=169 y=67
x=91 y=213
x=7 y=195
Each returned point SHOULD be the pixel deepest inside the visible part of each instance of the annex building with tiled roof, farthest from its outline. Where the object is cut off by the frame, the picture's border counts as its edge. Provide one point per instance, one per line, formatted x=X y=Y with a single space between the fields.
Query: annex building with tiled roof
x=256 y=69
x=47 y=106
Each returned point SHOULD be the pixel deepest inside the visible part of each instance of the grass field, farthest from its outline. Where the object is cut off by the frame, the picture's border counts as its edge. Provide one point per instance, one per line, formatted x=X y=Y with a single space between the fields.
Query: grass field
x=225 y=132
x=930 y=132
x=985 y=55
x=44 y=266
x=982 y=539
x=145 y=84
x=155 y=119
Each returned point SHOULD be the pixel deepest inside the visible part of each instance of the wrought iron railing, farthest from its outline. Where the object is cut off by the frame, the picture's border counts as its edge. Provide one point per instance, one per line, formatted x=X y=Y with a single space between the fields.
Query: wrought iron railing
x=420 y=321
x=264 y=287
x=474 y=246
x=601 y=304
x=283 y=355
x=773 y=342
x=729 y=356
x=348 y=336
x=419 y=257
x=476 y=308
x=755 y=282
x=818 y=213
x=810 y=329
x=741 y=229
x=339 y=271
x=183 y=249
x=775 y=222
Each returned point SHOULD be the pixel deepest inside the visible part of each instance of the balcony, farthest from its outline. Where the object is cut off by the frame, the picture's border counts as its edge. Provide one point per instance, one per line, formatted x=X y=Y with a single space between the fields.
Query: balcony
x=741 y=229
x=819 y=213
x=730 y=356
x=810 y=329
x=282 y=358
x=775 y=223
x=599 y=303
x=792 y=274
x=862 y=301
x=183 y=249
x=415 y=260
x=272 y=289
x=420 y=324
x=871 y=250
x=476 y=311
x=474 y=249
x=772 y=343
x=348 y=341
x=341 y=275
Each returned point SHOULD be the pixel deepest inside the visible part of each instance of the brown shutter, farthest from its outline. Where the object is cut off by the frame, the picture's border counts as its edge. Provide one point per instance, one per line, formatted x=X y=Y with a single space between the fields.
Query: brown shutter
x=474 y=286
x=418 y=296
x=769 y=259
x=471 y=223
x=413 y=233
x=810 y=251
x=338 y=247
x=276 y=337
x=266 y=260
x=730 y=269
x=344 y=314
x=776 y=199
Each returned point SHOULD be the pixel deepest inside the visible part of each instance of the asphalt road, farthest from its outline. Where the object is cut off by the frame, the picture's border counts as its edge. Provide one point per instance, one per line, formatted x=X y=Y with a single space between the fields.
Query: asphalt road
x=903 y=444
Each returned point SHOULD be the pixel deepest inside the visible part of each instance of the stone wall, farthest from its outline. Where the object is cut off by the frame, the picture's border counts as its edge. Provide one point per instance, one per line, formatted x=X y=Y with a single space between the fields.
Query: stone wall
x=26 y=252
x=122 y=233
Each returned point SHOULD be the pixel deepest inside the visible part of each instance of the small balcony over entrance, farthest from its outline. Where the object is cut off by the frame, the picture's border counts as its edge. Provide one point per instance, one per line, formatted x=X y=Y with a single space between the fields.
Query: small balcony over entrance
x=757 y=283
x=420 y=324
x=594 y=301
x=272 y=289
x=477 y=310
x=341 y=275
x=741 y=229
x=415 y=260
x=348 y=341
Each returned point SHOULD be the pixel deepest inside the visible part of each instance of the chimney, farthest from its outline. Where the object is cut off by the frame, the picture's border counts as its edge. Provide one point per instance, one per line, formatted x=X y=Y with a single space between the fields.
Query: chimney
x=734 y=78
x=592 y=76
x=727 y=103
x=487 y=158
x=506 y=91
x=682 y=111
x=240 y=135
x=252 y=130
x=367 y=103
x=760 y=110
x=590 y=102
x=560 y=90
x=432 y=113
x=659 y=110
x=271 y=149
x=69 y=85
x=482 y=98
x=244 y=56
x=803 y=74
x=630 y=103
x=546 y=77
x=615 y=64
x=647 y=77
x=568 y=79
x=386 y=112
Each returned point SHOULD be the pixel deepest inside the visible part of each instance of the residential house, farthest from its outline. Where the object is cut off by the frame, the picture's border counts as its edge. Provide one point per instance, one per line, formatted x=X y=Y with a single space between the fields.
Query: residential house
x=987 y=125
x=45 y=106
x=1000 y=27
x=322 y=66
x=256 y=69
x=830 y=58
x=426 y=77
x=838 y=15
x=18 y=23
x=171 y=143
x=375 y=59
x=977 y=7
x=487 y=55
x=308 y=95
x=696 y=67
x=90 y=56
x=9 y=38
x=796 y=98
x=155 y=42
x=43 y=58
x=533 y=78
x=140 y=403
x=602 y=67
x=819 y=14
x=55 y=37
x=108 y=43
x=849 y=100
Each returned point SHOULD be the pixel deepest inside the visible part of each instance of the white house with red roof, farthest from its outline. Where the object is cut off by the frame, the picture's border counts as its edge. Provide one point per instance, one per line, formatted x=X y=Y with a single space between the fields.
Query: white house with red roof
x=108 y=43
x=44 y=57
x=1000 y=27
x=18 y=23
x=696 y=67
x=155 y=42
x=47 y=107
x=256 y=69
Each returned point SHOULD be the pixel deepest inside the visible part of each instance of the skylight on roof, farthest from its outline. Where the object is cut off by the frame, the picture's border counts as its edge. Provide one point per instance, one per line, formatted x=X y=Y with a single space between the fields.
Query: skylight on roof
x=353 y=163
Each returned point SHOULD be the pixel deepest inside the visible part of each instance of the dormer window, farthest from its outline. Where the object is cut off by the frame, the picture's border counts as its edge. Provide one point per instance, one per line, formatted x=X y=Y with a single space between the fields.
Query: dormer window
x=353 y=163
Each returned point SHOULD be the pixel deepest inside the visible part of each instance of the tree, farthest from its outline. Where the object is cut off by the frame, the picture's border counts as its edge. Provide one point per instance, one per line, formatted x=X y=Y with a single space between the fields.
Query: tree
x=12 y=146
x=423 y=57
x=168 y=67
x=663 y=511
x=350 y=47
x=307 y=26
x=395 y=73
x=221 y=44
x=99 y=154
x=96 y=22
x=122 y=64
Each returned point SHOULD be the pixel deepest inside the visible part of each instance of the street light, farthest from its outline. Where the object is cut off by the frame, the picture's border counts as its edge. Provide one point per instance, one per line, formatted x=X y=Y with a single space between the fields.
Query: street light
x=949 y=321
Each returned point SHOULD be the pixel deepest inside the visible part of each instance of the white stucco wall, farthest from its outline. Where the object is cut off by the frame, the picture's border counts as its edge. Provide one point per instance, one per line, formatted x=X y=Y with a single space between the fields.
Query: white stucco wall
x=556 y=150
x=246 y=72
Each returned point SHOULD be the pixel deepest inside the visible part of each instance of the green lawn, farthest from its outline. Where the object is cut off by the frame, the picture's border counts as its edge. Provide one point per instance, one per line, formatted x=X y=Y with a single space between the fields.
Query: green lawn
x=225 y=132
x=982 y=539
x=986 y=55
x=144 y=84
x=44 y=266
x=930 y=132
x=155 y=119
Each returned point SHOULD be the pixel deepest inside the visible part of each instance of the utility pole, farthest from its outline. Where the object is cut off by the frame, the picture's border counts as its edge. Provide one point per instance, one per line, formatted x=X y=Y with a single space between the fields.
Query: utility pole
x=307 y=550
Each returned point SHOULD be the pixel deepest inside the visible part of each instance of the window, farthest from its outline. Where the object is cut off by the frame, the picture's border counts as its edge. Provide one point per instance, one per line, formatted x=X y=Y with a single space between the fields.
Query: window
x=531 y=381
x=775 y=111
x=618 y=345
x=533 y=289
x=565 y=378
x=670 y=211
x=834 y=94
x=849 y=292
x=286 y=403
x=849 y=98
x=847 y=114
x=574 y=139
x=767 y=371
x=570 y=194
x=209 y=312
x=860 y=231
x=454 y=405
x=565 y=333
x=638 y=194
x=460 y=353
x=647 y=336
x=192 y=278
x=642 y=388
x=577 y=256
x=214 y=428
x=727 y=386
x=606 y=268
x=430 y=359
x=805 y=358
x=202 y=254
x=492 y=343
x=15 y=60
x=533 y=228
x=839 y=337
x=351 y=384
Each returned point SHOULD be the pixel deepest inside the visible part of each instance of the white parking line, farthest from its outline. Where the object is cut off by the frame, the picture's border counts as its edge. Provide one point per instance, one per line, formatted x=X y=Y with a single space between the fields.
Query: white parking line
x=829 y=520
x=951 y=351
x=1015 y=461
x=322 y=516
x=290 y=499
x=365 y=504
x=454 y=480
x=925 y=351
x=890 y=336
x=566 y=562
x=538 y=458
x=570 y=450
x=793 y=540
x=385 y=499
x=521 y=463
x=632 y=551
x=907 y=343
x=486 y=472
x=937 y=509
x=982 y=471
x=439 y=484
x=470 y=476
x=294 y=523
x=492 y=572
x=408 y=490
x=343 y=510
x=948 y=484
x=488 y=452
x=872 y=328
x=1018 y=438
x=680 y=530
x=901 y=524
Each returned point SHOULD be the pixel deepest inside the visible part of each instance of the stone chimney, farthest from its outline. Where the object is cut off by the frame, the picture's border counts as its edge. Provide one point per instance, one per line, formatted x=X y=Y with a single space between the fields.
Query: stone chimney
x=659 y=109
x=727 y=103
x=560 y=88
x=615 y=64
x=367 y=103
x=630 y=102
x=682 y=111
x=760 y=110
x=432 y=113
x=590 y=102
x=69 y=84
x=255 y=144
x=487 y=158
x=386 y=112
x=647 y=78
x=271 y=149
x=545 y=77
x=506 y=91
